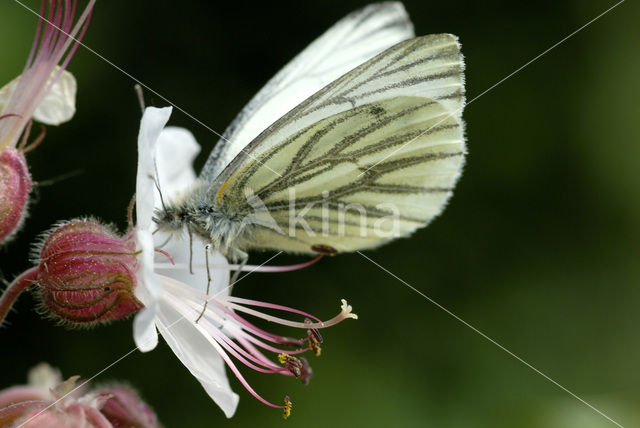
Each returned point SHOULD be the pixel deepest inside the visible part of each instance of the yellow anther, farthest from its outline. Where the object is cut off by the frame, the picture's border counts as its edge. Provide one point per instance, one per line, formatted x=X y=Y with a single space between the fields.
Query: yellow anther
x=315 y=347
x=291 y=363
x=315 y=338
x=286 y=411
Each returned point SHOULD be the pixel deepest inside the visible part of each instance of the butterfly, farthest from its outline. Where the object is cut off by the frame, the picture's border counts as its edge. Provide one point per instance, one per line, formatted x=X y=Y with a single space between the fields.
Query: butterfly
x=357 y=141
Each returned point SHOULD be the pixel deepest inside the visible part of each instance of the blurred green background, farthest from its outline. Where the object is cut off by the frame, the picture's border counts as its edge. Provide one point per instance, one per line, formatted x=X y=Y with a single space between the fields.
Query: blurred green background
x=538 y=247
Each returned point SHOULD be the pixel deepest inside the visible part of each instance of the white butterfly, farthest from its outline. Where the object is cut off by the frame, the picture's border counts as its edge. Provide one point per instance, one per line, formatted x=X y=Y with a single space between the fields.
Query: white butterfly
x=323 y=161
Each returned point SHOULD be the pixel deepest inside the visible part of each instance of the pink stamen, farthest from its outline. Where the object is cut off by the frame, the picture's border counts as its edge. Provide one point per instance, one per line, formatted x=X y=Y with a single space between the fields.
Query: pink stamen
x=164 y=253
x=86 y=17
x=9 y=115
x=239 y=335
x=257 y=330
x=240 y=300
x=198 y=295
x=242 y=355
x=35 y=76
x=288 y=268
x=25 y=136
x=268 y=347
x=239 y=376
x=317 y=325
x=53 y=38
x=36 y=142
x=221 y=338
x=249 y=268
x=235 y=338
x=34 y=45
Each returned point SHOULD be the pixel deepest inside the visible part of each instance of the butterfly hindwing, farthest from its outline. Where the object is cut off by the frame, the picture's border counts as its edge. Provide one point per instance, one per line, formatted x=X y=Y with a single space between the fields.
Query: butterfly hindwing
x=356 y=179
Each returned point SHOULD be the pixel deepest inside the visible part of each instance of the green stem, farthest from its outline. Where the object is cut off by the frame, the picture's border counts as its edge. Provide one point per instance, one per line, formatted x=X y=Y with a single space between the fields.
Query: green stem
x=21 y=283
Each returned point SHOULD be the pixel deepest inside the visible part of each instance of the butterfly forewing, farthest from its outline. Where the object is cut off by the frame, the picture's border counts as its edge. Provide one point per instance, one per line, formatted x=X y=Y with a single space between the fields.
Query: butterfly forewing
x=380 y=162
x=350 y=42
x=429 y=67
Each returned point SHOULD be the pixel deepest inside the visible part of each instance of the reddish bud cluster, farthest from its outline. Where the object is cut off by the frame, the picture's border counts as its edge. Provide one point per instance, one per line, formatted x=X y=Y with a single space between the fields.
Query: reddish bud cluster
x=15 y=185
x=87 y=273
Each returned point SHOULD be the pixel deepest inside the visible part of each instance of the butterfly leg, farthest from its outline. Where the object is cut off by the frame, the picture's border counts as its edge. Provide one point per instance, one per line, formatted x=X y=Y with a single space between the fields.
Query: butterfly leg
x=191 y=251
x=244 y=258
x=206 y=302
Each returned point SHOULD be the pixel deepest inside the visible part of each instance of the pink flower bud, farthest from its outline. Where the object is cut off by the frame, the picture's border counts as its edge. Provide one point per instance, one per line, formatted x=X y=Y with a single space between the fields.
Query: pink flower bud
x=87 y=273
x=67 y=415
x=47 y=402
x=15 y=185
x=124 y=408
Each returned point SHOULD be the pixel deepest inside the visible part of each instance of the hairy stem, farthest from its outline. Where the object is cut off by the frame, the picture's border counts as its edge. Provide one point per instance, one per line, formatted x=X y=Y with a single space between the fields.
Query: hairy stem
x=10 y=295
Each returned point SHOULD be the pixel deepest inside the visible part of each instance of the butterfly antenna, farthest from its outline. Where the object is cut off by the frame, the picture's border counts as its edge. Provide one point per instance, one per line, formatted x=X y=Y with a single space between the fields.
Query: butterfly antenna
x=206 y=301
x=156 y=182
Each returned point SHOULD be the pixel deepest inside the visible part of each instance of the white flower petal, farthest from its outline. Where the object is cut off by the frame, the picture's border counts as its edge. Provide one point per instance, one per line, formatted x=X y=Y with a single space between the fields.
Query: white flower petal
x=175 y=152
x=5 y=93
x=148 y=289
x=44 y=376
x=58 y=105
x=145 y=334
x=152 y=123
x=198 y=352
x=179 y=250
x=169 y=153
x=228 y=402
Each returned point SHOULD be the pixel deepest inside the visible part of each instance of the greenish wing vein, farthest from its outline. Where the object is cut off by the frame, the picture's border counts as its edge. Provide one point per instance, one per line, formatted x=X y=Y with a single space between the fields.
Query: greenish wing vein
x=388 y=132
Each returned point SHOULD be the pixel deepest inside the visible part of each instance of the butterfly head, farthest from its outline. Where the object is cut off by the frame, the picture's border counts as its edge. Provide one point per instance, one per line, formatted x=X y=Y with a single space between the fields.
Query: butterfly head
x=169 y=219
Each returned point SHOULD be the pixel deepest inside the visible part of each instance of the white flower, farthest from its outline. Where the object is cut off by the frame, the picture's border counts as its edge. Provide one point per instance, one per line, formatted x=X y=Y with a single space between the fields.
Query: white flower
x=59 y=103
x=44 y=91
x=174 y=150
x=174 y=298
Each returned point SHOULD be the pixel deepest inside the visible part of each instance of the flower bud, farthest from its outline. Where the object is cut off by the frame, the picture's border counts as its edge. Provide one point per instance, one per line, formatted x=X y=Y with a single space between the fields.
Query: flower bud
x=87 y=273
x=66 y=415
x=66 y=404
x=124 y=408
x=15 y=185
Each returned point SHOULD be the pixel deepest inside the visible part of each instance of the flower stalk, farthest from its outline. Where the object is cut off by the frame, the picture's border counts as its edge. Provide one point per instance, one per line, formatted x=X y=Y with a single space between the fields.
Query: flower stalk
x=11 y=294
x=44 y=92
